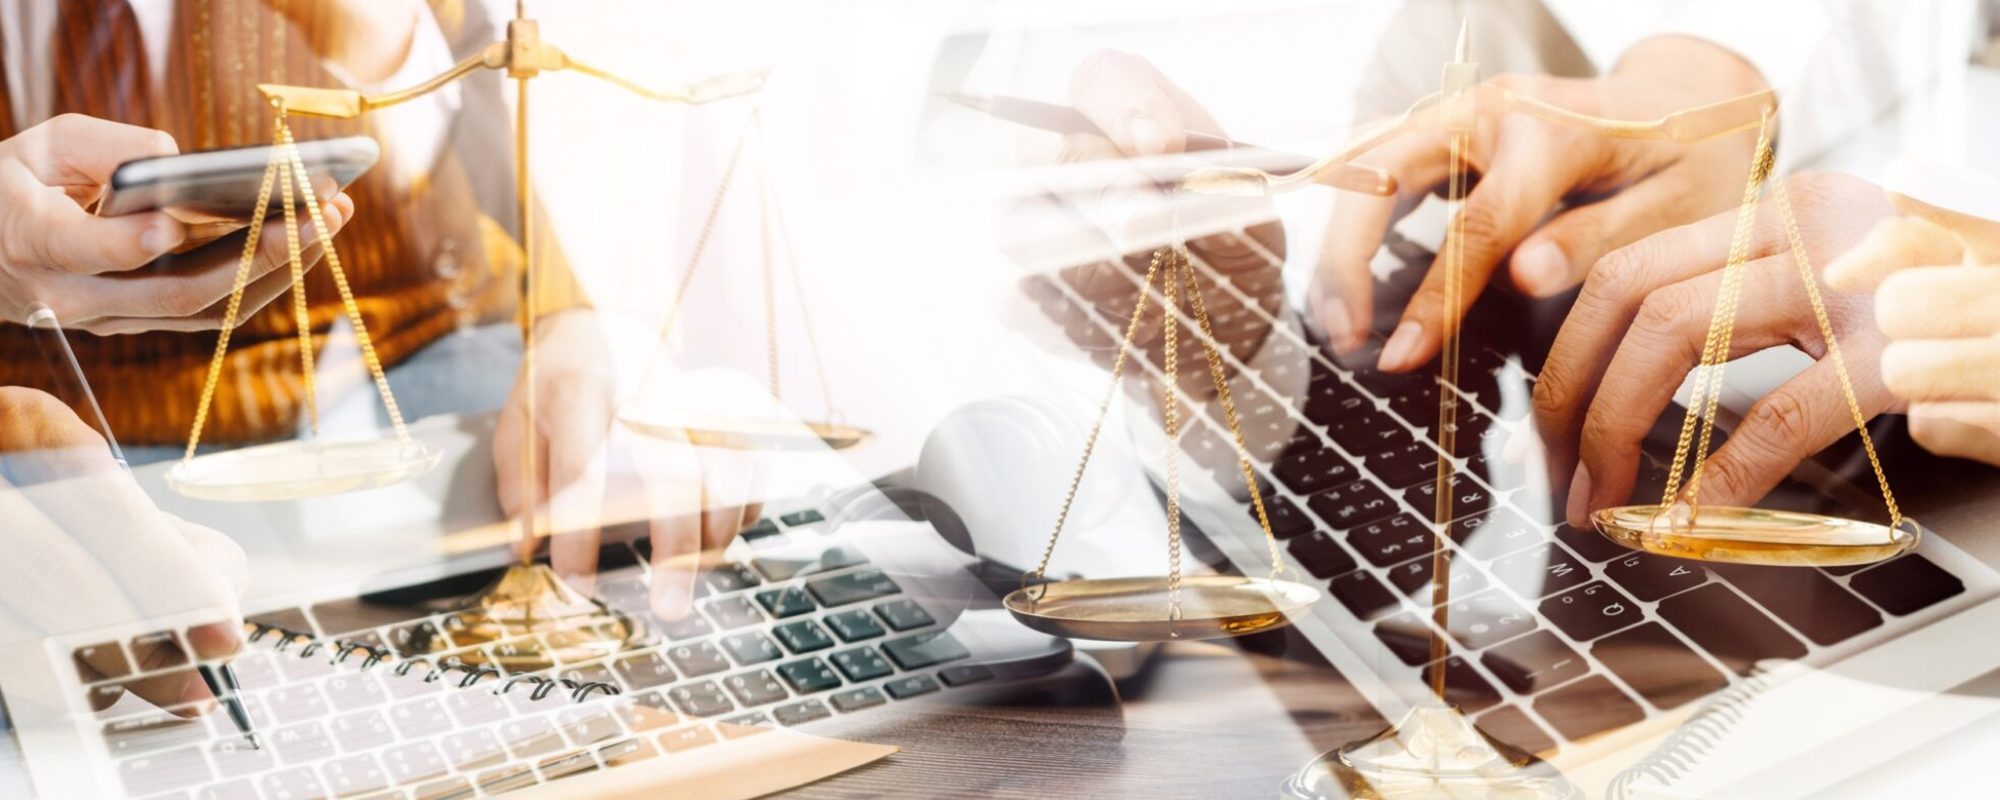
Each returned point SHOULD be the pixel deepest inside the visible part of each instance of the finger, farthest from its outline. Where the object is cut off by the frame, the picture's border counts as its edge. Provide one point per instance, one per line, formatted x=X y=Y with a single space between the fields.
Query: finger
x=676 y=532
x=577 y=485
x=1939 y=303
x=1943 y=369
x=1958 y=429
x=1556 y=257
x=1131 y=102
x=510 y=437
x=1892 y=244
x=730 y=483
x=1510 y=199
x=258 y=295
x=67 y=238
x=1979 y=236
x=1785 y=427
x=1663 y=345
x=78 y=149
x=1342 y=295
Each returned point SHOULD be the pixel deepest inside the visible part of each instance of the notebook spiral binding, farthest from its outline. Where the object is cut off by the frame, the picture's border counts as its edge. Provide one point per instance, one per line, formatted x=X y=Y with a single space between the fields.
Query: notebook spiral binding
x=1680 y=753
x=469 y=674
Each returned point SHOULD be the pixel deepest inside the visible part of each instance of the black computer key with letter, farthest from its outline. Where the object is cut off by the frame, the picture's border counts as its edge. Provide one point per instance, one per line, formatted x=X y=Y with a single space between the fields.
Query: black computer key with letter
x=1534 y=662
x=924 y=649
x=1487 y=619
x=703 y=699
x=1590 y=544
x=1353 y=422
x=1320 y=555
x=1490 y=534
x=1587 y=707
x=1468 y=497
x=1511 y=725
x=755 y=688
x=1463 y=687
x=1287 y=519
x=1351 y=505
x=1362 y=594
x=1907 y=585
x=1414 y=577
x=1312 y=470
x=1402 y=464
x=1591 y=610
x=1728 y=627
x=1658 y=665
x=1806 y=599
x=1406 y=635
x=1541 y=571
x=1392 y=540
x=1650 y=577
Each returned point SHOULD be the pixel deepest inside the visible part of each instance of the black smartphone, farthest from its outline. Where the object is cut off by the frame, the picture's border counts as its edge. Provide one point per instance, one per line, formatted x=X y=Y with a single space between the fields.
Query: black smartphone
x=222 y=184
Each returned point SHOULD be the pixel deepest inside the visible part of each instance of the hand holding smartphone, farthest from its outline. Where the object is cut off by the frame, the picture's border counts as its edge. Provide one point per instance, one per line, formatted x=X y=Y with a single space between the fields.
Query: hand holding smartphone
x=214 y=192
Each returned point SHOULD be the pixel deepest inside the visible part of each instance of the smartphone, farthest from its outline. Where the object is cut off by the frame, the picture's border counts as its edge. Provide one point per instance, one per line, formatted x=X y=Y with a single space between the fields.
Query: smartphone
x=221 y=185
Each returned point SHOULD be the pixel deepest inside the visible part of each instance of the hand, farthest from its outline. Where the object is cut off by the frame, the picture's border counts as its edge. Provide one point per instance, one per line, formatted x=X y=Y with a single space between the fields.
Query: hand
x=87 y=550
x=1936 y=278
x=690 y=506
x=1638 y=327
x=109 y=275
x=1605 y=192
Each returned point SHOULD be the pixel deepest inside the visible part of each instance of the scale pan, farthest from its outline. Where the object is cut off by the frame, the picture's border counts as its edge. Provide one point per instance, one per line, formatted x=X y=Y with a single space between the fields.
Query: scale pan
x=1135 y=609
x=750 y=434
x=1737 y=535
x=300 y=469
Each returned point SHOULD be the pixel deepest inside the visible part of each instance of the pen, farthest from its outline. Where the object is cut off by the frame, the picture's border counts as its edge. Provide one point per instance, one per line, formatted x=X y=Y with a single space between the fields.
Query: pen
x=63 y=366
x=1064 y=119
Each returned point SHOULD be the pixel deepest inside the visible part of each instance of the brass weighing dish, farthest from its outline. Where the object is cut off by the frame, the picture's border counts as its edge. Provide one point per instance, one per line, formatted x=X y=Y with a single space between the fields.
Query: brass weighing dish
x=300 y=469
x=750 y=434
x=1135 y=609
x=1736 y=535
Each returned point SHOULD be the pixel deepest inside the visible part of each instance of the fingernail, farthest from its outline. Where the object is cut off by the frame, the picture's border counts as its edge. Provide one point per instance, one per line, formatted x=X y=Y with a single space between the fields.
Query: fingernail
x=1149 y=137
x=158 y=239
x=1401 y=351
x=1541 y=269
x=1579 y=498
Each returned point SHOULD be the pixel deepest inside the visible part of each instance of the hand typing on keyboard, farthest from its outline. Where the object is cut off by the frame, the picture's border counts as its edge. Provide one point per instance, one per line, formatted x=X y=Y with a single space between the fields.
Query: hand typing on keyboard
x=85 y=549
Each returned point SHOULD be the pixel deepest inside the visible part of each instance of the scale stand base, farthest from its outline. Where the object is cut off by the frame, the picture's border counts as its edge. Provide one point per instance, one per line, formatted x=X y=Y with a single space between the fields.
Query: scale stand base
x=1435 y=752
x=530 y=619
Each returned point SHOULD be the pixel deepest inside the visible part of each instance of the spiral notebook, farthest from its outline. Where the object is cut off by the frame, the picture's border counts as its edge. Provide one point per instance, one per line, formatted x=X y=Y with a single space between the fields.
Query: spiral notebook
x=447 y=730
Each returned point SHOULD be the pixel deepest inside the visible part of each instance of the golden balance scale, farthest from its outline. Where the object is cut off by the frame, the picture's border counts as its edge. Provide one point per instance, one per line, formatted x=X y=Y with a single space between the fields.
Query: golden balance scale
x=1435 y=751
x=529 y=618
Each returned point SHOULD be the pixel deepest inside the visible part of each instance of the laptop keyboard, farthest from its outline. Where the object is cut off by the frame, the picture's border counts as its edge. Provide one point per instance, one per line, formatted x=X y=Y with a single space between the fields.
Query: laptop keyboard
x=1556 y=634
x=395 y=709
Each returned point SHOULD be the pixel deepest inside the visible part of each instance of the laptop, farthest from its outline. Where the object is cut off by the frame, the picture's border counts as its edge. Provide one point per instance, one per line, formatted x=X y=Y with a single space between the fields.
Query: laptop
x=837 y=603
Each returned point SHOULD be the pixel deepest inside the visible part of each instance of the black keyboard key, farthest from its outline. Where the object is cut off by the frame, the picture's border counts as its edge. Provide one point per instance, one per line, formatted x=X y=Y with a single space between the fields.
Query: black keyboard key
x=1534 y=662
x=1907 y=585
x=1511 y=725
x=861 y=664
x=1403 y=464
x=1407 y=636
x=803 y=636
x=1591 y=610
x=839 y=556
x=790 y=601
x=964 y=674
x=1806 y=599
x=703 y=699
x=730 y=577
x=644 y=670
x=924 y=649
x=733 y=612
x=689 y=626
x=1658 y=665
x=808 y=675
x=854 y=624
x=1492 y=534
x=1414 y=578
x=904 y=614
x=1320 y=555
x=1362 y=594
x=1393 y=540
x=797 y=518
x=700 y=658
x=755 y=688
x=1468 y=498
x=1287 y=519
x=777 y=569
x=1487 y=619
x=1650 y=577
x=1587 y=707
x=761 y=529
x=750 y=647
x=1590 y=544
x=1351 y=505
x=852 y=587
x=1463 y=687
x=1729 y=628
x=1537 y=572
x=906 y=688
x=801 y=712
x=857 y=699
x=1359 y=428
x=1313 y=470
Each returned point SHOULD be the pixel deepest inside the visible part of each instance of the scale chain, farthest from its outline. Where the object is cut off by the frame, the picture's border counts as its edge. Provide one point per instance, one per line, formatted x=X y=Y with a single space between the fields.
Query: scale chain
x=301 y=317
x=1208 y=343
x=1170 y=412
x=235 y=305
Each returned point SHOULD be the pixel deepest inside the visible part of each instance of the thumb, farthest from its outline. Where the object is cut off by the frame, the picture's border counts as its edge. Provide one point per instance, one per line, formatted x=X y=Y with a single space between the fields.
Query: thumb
x=1128 y=99
x=1559 y=255
x=1893 y=244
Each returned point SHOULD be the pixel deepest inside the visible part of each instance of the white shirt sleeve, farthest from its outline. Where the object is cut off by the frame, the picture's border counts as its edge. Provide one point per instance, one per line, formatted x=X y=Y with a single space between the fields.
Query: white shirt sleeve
x=415 y=132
